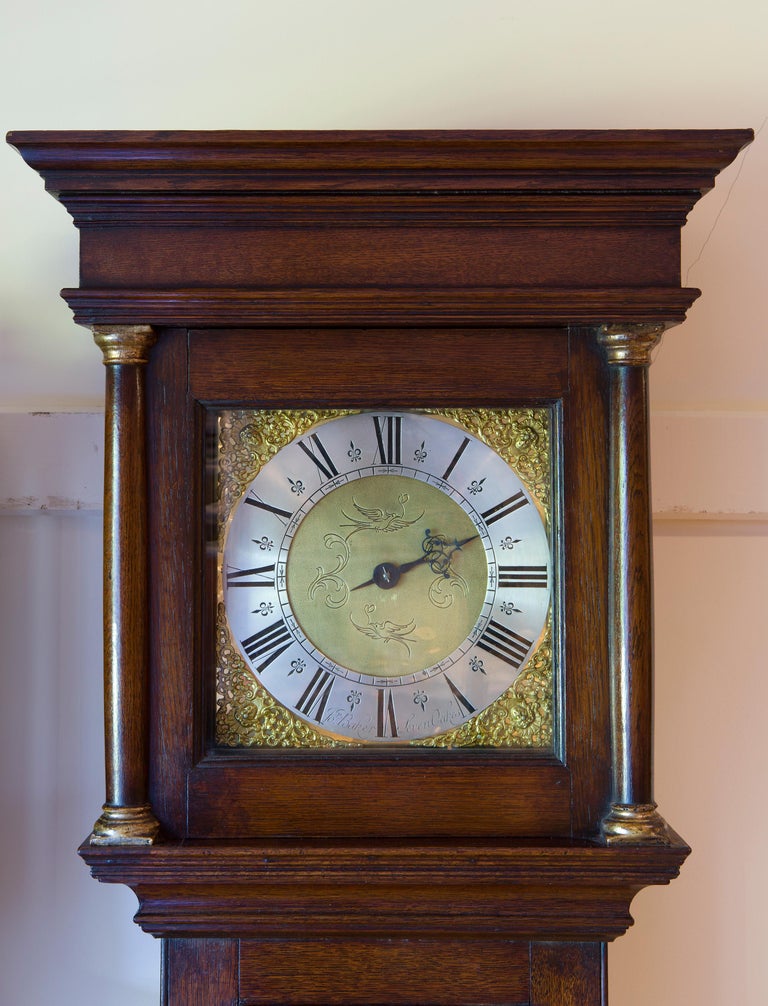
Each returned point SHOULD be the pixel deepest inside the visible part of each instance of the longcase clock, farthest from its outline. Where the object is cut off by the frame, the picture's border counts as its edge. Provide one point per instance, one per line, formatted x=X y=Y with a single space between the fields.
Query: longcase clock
x=378 y=645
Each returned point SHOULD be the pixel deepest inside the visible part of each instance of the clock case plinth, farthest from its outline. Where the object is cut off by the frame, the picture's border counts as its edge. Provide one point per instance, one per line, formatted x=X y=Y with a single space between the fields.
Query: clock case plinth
x=375 y=270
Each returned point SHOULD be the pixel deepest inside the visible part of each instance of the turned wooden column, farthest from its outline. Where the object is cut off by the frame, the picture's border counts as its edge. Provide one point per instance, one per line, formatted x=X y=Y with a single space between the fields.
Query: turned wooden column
x=633 y=817
x=127 y=818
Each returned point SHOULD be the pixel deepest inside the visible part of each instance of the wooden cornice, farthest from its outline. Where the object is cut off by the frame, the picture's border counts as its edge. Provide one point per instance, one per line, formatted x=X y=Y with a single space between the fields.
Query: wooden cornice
x=449 y=161
x=361 y=228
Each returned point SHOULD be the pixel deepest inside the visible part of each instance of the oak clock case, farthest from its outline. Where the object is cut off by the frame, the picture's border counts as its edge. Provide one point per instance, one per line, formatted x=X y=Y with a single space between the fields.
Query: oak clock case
x=385 y=577
x=412 y=734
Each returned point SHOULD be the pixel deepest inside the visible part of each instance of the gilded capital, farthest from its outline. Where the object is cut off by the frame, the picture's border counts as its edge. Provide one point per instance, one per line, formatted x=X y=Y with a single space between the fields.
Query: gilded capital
x=125 y=826
x=630 y=345
x=124 y=343
x=634 y=824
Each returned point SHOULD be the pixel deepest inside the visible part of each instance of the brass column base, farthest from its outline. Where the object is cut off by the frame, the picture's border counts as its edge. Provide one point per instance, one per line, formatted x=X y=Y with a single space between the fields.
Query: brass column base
x=634 y=824
x=125 y=826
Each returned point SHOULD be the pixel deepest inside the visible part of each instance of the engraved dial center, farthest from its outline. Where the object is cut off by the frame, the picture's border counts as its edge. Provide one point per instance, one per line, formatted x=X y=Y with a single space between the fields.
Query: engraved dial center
x=386 y=575
x=375 y=586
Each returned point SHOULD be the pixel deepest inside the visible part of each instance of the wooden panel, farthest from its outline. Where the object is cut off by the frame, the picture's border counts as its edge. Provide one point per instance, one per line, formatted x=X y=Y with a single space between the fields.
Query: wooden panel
x=441 y=795
x=173 y=585
x=359 y=257
x=392 y=972
x=570 y=974
x=358 y=366
x=585 y=506
x=200 y=973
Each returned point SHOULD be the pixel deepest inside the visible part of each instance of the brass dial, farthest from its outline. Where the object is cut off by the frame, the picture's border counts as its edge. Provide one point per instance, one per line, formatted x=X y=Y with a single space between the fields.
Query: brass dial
x=372 y=575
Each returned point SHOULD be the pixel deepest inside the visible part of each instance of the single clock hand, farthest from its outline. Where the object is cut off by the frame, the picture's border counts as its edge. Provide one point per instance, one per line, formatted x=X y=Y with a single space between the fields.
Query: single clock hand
x=387 y=574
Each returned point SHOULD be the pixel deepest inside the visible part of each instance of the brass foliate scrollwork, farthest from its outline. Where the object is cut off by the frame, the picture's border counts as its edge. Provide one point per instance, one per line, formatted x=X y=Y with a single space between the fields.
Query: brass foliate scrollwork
x=520 y=436
x=247 y=441
x=520 y=718
x=246 y=714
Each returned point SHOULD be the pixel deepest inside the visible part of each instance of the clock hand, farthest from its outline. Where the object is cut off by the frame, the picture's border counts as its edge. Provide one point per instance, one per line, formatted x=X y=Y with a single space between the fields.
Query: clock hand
x=387 y=574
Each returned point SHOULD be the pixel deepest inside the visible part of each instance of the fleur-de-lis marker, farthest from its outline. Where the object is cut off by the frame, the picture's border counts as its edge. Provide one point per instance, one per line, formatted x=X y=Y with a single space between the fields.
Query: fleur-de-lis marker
x=420 y=698
x=420 y=454
x=476 y=665
x=475 y=487
x=509 y=542
x=507 y=608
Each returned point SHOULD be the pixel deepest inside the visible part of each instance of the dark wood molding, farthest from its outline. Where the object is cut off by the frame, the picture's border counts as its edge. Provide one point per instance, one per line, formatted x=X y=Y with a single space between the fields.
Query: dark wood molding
x=476 y=306
x=554 y=891
x=357 y=210
x=413 y=161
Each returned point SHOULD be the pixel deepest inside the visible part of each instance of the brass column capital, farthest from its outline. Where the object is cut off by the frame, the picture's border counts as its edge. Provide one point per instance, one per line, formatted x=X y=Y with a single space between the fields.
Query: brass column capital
x=124 y=343
x=125 y=826
x=635 y=824
x=630 y=345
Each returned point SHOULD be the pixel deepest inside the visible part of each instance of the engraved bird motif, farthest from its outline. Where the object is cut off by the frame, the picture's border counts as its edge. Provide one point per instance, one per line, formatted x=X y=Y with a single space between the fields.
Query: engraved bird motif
x=379 y=519
x=388 y=632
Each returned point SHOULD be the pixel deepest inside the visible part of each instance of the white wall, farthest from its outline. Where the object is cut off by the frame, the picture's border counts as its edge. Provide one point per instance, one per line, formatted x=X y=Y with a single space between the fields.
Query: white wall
x=416 y=64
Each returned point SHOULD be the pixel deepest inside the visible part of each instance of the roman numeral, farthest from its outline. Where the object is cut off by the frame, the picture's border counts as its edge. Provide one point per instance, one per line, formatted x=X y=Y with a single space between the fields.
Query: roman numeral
x=269 y=643
x=505 y=508
x=389 y=436
x=324 y=463
x=505 y=644
x=236 y=578
x=315 y=698
x=254 y=500
x=386 y=720
x=455 y=460
x=463 y=702
x=522 y=576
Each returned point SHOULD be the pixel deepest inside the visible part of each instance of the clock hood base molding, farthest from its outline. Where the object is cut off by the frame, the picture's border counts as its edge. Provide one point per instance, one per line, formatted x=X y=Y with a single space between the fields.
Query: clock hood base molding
x=547 y=891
